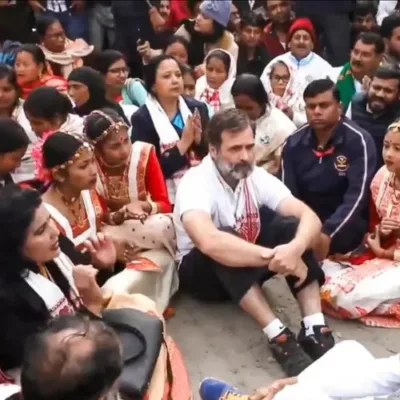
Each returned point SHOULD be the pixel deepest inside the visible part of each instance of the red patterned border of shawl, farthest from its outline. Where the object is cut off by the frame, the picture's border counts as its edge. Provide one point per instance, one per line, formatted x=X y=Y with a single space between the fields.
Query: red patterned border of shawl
x=141 y=170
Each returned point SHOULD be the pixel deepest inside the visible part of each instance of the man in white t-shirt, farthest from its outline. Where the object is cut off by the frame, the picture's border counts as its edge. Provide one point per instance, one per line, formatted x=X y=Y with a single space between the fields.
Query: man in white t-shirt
x=237 y=226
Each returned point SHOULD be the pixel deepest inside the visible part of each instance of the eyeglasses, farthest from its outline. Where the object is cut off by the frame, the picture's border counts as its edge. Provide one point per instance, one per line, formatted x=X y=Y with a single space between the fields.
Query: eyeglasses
x=278 y=79
x=122 y=70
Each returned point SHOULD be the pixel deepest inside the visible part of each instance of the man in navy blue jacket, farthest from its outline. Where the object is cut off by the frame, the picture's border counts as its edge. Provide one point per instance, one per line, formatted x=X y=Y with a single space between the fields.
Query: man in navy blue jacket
x=329 y=164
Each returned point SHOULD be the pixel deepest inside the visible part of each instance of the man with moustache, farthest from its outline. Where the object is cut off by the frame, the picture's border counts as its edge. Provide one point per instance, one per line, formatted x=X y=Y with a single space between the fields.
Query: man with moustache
x=329 y=164
x=365 y=58
x=375 y=110
x=306 y=63
x=237 y=226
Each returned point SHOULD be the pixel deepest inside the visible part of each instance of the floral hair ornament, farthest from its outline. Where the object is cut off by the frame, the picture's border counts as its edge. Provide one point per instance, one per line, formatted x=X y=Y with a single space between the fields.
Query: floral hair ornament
x=114 y=128
x=46 y=174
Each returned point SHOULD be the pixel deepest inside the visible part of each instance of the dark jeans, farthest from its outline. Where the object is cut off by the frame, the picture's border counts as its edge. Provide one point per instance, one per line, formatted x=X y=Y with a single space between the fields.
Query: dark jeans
x=208 y=280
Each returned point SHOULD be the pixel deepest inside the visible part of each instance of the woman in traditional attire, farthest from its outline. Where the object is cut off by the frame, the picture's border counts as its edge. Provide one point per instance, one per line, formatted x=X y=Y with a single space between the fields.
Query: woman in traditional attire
x=214 y=88
x=75 y=205
x=40 y=280
x=364 y=284
x=62 y=54
x=129 y=175
x=284 y=92
x=47 y=110
x=87 y=89
x=172 y=123
x=31 y=71
x=272 y=125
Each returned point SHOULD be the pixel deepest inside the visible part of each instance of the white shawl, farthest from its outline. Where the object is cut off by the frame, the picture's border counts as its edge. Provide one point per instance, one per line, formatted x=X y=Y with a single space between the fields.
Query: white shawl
x=225 y=89
x=168 y=136
x=49 y=292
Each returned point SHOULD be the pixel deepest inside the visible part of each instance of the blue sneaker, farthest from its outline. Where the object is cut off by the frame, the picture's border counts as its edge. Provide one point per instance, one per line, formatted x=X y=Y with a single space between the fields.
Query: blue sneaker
x=214 y=389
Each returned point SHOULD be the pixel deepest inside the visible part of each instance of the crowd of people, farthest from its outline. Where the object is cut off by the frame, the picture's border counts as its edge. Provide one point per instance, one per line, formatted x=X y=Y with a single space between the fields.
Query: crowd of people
x=202 y=146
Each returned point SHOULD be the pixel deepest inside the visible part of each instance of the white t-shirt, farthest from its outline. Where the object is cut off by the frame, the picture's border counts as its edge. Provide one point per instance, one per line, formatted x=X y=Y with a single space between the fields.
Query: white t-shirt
x=202 y=188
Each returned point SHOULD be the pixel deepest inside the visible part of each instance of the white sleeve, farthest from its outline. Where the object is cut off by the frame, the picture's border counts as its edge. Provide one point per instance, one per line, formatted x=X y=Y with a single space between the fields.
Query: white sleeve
x=348 y=112
x=192 y=195
x=270 y=190
x=349 y=371
x=385 y=8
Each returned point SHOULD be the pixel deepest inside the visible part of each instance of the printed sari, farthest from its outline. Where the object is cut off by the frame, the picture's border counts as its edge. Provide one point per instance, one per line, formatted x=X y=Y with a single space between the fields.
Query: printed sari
x=361 y=285
x=153 y=272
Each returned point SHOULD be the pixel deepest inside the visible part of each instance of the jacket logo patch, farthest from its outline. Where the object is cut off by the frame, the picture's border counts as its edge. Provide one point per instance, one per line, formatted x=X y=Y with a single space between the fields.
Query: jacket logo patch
x=341 y=164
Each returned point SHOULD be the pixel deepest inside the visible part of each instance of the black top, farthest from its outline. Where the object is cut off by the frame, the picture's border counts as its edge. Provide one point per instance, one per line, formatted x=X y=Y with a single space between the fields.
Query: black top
x=255 y=66
x=171 y=160
x=23 y=312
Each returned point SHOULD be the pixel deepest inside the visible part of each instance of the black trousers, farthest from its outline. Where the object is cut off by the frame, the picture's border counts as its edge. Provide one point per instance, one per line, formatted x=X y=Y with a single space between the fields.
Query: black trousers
x=208 y=280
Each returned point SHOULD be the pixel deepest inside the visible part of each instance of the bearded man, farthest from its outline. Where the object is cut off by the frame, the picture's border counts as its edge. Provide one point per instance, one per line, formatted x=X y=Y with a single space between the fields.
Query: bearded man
x=237 y=226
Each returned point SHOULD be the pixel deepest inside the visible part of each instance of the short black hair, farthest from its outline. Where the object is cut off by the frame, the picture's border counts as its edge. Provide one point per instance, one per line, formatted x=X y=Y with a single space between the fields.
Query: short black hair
x=232 y=120
x=364 y=9
x=252 y=19
x=319 y=86
x=372 y=38
x=47 y=103
x=389 y=24
x=12 y=136
x=387 y=73
x=74 y=358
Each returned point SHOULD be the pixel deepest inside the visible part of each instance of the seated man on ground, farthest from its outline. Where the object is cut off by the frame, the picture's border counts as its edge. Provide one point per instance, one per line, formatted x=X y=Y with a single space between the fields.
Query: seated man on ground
x=375 y=110
x=329 y=164
x=237 y=226
x=359 y=376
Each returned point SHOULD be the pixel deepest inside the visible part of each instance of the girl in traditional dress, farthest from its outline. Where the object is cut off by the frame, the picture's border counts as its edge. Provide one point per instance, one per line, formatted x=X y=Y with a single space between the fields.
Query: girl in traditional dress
x=79 y=211
x=32 y=73
x=172 y=123
x=39 y=280
x=130 y=176
x=214 y=88
x=272 y=125
x=364 y=284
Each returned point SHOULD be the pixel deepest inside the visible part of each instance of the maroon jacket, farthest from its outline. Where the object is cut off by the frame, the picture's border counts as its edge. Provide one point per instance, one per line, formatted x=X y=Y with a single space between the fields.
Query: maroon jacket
x=272 y=43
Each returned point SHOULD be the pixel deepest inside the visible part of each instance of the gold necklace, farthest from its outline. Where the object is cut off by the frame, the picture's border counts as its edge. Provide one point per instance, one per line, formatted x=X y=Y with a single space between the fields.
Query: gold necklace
x=75 y=206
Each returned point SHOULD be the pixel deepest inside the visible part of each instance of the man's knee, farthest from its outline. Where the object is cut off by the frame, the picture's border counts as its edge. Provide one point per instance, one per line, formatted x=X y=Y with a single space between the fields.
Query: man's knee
x=276 y=229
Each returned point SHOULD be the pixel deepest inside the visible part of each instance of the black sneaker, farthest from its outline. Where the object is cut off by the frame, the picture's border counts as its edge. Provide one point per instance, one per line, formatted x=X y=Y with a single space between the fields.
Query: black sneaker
x=319 y=343
x=289 y=354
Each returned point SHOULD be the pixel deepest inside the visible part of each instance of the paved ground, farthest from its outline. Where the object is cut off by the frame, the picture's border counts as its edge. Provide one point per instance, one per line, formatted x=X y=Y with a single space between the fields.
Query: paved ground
x=220 y=341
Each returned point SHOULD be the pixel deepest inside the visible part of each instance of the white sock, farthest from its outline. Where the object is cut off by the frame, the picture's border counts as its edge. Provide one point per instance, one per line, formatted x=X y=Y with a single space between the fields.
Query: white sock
x=313 y=320
x=274 y=328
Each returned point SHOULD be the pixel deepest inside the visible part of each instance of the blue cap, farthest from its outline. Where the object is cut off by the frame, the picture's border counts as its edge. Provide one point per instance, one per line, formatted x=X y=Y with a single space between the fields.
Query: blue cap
x=218 y=10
